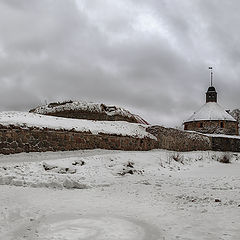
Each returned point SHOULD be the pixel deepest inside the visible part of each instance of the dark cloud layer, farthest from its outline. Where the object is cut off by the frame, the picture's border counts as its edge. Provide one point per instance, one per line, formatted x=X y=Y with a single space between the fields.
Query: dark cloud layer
x=150 y=57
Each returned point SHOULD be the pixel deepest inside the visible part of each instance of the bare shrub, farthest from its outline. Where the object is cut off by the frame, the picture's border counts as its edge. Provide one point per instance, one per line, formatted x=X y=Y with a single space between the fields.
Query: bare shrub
x=177 y=157
x=225 y=158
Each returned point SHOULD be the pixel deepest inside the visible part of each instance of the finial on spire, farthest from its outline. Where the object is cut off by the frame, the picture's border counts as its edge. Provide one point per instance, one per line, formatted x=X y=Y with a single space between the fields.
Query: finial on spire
x=211 y=94
x=211 y=76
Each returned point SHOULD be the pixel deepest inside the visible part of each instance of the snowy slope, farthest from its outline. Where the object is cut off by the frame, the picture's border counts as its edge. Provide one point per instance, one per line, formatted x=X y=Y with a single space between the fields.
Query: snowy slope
x=25 y=119
x=82 y=106
x=211 y=111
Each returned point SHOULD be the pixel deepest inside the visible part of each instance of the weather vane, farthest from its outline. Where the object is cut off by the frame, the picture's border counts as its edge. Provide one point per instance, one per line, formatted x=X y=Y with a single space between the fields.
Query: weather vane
x=211 y=76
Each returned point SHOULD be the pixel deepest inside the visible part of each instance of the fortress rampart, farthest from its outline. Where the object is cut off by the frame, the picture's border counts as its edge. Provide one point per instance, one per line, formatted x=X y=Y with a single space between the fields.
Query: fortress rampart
x=15 y=139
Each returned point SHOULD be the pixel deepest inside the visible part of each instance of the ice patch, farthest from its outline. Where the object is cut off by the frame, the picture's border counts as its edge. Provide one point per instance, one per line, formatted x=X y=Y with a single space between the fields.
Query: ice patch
x=97 y=228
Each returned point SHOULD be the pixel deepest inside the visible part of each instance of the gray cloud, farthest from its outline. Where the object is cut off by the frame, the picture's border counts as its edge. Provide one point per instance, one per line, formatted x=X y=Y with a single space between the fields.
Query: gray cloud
x=150 y=57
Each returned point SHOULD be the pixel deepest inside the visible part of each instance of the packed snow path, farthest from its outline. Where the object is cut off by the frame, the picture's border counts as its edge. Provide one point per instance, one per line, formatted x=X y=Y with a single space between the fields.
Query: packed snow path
x=167 y=195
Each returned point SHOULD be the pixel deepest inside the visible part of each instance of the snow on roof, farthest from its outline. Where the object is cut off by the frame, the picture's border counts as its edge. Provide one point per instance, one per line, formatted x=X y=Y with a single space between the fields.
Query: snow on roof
x=25 y=119
x=210 y=111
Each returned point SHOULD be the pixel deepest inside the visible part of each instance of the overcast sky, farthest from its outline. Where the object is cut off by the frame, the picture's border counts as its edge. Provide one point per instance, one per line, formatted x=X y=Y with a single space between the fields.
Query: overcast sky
x=148 y=56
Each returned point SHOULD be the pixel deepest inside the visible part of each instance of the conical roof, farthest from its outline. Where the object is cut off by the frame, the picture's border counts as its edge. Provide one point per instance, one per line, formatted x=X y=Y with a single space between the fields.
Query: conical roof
x=210 y=111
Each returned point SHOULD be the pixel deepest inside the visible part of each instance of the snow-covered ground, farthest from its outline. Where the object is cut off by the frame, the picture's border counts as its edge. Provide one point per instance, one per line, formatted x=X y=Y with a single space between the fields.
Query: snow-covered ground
x=100 y=194
x=25 y=119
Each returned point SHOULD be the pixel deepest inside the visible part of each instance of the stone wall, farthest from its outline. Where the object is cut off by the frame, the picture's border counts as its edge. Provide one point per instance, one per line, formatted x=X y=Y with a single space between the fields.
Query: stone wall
x=223 y=127
x=177 y=140
x=225 y=144
x=16 y=140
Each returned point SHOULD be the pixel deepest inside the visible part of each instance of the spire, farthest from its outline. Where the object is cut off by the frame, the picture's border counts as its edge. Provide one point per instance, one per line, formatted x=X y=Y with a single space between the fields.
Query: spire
x=211 y=94
x=211 y=76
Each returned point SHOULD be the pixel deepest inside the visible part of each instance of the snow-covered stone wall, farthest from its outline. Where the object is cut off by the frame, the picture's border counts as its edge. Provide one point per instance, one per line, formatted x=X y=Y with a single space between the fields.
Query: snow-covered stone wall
x=177 y=140
x=15 y=139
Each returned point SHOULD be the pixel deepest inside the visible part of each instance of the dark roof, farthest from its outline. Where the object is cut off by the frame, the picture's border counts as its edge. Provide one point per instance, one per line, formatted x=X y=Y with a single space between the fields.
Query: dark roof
x=211 y=89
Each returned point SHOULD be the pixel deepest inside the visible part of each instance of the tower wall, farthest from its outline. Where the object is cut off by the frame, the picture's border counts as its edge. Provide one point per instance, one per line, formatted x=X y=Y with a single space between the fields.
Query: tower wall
x=211 y=95
x=213 y=126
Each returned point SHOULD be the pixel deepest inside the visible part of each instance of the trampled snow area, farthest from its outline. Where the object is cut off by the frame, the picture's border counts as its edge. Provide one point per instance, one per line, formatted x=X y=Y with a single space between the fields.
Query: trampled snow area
x=102 y=194
x=25 y=119
x=211 y=111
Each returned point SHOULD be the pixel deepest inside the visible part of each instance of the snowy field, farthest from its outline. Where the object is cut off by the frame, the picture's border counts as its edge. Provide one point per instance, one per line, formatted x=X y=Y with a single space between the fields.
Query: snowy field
x=115 y=195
